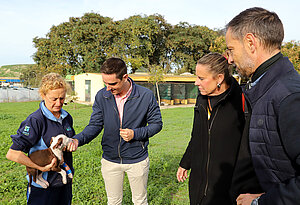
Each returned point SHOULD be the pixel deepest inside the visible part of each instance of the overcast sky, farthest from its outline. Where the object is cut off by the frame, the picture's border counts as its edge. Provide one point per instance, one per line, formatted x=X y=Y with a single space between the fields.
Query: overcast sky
x=22 y=20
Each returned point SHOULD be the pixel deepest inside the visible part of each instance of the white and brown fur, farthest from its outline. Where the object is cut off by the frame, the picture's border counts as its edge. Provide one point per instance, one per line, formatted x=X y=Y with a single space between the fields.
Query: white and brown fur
x=44 y=157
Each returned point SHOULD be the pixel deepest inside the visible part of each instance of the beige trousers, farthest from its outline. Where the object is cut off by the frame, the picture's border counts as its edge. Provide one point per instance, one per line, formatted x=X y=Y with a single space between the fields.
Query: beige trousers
x=113 y=175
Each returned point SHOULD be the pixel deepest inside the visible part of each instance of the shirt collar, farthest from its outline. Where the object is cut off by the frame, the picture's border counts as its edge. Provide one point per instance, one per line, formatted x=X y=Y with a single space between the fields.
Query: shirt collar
x=128 y=92
x=263 y=68
x=49 y=114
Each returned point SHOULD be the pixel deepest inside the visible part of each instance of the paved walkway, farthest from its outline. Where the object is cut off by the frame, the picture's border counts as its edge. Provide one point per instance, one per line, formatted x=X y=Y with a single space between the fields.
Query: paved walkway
x=175 y=106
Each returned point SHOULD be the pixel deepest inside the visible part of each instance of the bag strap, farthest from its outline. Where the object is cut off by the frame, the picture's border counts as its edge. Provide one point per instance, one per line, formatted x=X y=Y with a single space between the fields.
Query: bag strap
x=243 y=102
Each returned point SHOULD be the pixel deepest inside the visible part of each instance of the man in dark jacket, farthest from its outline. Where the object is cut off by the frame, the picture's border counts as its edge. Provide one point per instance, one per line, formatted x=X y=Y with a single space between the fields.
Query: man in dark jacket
x=130 y=115
x=254 y=39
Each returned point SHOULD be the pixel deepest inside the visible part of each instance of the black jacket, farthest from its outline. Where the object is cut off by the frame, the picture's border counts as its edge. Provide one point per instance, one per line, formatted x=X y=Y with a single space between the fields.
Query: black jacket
x=214 y=148
x=275 y=133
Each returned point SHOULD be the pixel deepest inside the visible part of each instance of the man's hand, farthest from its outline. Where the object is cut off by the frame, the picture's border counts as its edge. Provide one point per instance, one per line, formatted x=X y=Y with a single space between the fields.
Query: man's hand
x=72 y=146
x=246 y=199
x=127 y=134
x=181 y=174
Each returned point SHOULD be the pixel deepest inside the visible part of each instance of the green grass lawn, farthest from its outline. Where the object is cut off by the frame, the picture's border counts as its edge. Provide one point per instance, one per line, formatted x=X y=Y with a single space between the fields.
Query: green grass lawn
x=165 y=150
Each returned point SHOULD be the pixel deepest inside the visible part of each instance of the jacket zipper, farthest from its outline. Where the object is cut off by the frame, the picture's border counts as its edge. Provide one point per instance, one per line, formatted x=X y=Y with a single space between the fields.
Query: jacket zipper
x=209 y=142
x=119 y=145
x=208 y=148
x=142 y=145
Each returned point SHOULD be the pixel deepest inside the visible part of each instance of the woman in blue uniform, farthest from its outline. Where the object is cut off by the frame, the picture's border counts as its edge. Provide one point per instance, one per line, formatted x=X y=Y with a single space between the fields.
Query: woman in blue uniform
x=35 y=133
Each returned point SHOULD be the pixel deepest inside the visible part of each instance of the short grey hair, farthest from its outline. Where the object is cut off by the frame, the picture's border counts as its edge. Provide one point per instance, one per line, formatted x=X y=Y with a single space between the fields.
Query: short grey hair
x=265 y=25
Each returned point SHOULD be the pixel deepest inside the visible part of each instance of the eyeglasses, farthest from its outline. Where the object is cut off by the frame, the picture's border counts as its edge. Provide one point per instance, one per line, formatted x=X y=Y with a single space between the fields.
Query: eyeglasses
x=228 y=52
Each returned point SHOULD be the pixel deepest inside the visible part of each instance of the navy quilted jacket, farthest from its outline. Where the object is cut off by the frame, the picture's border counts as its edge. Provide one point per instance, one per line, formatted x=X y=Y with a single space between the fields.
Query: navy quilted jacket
x=274 y=133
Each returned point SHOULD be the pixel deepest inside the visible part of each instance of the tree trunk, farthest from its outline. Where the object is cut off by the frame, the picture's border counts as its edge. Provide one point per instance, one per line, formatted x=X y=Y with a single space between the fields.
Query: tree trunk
x=157 y=91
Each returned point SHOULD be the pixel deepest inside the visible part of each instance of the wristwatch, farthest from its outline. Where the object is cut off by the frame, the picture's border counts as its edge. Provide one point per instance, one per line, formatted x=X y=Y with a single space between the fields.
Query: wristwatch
x=255 y=201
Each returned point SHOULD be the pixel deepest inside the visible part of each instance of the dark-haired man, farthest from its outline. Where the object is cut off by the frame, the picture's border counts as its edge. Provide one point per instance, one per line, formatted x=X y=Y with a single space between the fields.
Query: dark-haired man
x=130 y=115
x=254 y=39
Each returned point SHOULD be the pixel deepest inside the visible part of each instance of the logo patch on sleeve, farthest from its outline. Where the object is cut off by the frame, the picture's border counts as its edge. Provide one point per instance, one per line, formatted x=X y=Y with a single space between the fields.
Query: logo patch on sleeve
x=26 y=130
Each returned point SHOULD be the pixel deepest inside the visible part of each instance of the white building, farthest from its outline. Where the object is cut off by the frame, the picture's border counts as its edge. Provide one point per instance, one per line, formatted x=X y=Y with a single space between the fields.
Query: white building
x=87 y=85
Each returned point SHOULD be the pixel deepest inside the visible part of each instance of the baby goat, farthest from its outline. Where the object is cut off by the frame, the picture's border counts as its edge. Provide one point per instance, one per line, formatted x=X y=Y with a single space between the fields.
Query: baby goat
x=44 y=157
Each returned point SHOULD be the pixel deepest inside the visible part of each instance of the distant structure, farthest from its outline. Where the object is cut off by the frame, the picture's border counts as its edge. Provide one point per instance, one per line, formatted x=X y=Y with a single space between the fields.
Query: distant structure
x=174 y=89
x=12 y=90
x=10 y=82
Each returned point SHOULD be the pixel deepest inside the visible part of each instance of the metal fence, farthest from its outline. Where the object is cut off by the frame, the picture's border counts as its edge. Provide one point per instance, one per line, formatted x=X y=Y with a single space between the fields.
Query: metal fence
x=19 y=94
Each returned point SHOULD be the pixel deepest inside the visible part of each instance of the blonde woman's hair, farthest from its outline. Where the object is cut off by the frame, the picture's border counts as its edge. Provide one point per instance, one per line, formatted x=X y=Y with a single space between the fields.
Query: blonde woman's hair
x=52 y=81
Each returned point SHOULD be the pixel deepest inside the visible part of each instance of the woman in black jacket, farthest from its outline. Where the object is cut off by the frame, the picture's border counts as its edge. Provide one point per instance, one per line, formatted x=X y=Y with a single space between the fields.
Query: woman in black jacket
x=217 y=131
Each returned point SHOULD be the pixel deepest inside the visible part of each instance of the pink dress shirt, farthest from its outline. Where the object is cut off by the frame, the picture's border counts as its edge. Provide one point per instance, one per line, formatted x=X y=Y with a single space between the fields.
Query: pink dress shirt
x=121 y=101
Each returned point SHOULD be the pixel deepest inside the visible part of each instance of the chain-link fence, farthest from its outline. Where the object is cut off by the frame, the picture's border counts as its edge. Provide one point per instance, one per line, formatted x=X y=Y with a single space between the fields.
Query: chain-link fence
x=19 y=94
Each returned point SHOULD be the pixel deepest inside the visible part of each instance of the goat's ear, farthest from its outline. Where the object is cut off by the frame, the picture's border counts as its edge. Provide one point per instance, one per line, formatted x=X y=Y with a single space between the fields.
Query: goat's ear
x=59 y=142
x=51 y=140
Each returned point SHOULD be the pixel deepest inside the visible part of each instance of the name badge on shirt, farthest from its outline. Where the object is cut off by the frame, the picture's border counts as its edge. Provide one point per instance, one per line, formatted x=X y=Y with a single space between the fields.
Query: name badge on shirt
x=26 y=130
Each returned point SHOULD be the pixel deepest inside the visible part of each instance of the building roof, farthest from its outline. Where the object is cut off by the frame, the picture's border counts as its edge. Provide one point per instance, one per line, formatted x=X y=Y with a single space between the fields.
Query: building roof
x=144 y=77
x=166 y=78
x=10 y=79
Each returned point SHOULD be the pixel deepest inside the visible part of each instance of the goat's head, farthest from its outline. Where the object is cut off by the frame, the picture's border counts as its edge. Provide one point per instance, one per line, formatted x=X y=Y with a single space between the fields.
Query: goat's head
x=60 y=141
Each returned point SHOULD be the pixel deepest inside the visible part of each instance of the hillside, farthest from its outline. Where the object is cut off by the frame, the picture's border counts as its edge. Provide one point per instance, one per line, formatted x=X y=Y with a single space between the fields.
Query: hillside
x=12 y=70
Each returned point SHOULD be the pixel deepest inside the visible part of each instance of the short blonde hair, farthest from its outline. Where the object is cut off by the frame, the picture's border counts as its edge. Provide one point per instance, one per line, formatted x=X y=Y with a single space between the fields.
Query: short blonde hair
x=52 y=81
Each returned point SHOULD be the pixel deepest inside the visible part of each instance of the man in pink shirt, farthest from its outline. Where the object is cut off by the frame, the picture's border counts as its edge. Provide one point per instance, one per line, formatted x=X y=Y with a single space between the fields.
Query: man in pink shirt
x=130 y=115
